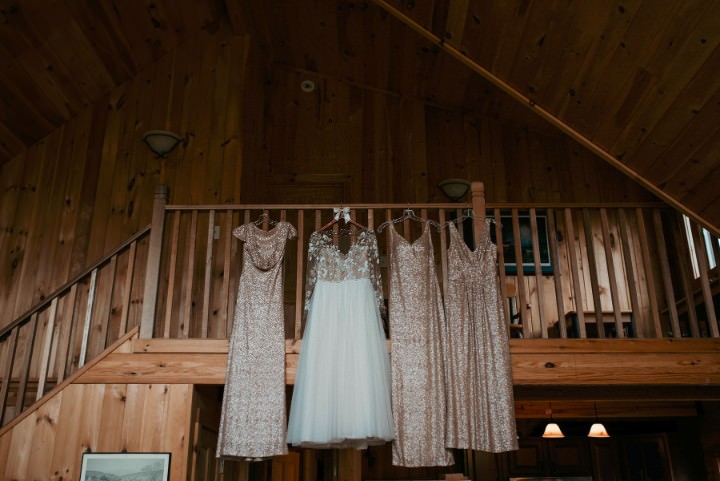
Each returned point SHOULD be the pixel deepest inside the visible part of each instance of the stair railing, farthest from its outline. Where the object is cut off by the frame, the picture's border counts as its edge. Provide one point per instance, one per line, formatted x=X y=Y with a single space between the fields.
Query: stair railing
x=76 y=322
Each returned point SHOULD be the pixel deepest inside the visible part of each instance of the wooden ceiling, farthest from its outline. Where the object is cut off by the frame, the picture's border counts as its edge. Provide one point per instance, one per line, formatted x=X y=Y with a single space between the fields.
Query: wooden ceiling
x=636 y=82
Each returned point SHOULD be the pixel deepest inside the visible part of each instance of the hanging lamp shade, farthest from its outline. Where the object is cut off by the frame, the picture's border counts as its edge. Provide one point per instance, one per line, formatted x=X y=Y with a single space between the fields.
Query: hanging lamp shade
x=597 y=430
x=552 y=430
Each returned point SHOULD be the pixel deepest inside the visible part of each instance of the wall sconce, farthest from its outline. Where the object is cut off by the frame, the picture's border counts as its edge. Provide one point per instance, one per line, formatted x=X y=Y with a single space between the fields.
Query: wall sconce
x=161 y=142
x=454 y=189
x=597 y=430
x=552 y=430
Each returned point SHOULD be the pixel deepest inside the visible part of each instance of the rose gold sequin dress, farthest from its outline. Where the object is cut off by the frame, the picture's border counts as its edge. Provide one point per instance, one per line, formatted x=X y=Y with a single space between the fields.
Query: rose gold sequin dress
x=481 y=412
x=417 y=323
x=252 y=423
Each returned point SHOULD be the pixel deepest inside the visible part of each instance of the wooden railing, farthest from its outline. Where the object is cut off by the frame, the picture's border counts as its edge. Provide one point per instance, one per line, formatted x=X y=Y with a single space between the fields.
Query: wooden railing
x=76 y=322
x=587 y=271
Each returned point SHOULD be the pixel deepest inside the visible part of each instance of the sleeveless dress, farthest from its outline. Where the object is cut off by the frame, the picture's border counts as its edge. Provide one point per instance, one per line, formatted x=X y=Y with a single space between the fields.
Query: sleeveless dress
x=417 y=323
x=481 y=411
x=341 y=397
x=252 y=423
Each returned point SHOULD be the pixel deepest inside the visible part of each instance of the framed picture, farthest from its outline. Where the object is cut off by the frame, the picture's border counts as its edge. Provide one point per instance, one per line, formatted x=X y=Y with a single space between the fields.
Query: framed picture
x=126 y=466
x=526 y=244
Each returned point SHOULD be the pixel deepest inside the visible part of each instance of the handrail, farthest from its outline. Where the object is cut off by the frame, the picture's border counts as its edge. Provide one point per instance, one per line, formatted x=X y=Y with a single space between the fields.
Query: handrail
x=415 y=205
x=26 y=315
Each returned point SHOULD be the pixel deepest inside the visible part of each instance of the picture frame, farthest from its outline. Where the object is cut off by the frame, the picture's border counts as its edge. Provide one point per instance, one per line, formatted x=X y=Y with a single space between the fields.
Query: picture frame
x=114 y=466
x=526 y=247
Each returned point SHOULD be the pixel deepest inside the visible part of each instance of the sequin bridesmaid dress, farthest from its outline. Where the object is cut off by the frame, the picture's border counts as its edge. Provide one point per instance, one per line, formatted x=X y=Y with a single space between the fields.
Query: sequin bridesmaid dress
x=417 y=324
x=252 y=423
x=481 y=411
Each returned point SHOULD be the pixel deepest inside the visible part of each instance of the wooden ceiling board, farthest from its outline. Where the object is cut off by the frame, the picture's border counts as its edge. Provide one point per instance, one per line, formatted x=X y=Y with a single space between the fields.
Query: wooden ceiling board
x=637 y=79
x=660 y=75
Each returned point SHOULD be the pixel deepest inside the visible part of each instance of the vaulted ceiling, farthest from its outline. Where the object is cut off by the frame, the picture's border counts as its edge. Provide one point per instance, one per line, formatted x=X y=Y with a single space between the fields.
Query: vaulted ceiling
x=637 y=82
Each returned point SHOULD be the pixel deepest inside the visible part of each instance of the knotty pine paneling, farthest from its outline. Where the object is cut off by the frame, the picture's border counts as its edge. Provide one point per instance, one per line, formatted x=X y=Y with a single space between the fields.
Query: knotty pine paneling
x=88 y=185
x=387 y=148
x=100 y=418
x=254 y=136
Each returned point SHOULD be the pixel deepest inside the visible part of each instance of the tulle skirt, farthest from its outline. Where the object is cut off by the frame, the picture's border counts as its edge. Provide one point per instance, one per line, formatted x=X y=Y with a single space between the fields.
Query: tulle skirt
x=342 y=385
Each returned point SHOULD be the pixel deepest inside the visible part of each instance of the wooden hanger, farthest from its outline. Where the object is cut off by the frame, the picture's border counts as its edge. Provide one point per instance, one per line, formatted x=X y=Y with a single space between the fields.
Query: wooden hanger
x=408 y=214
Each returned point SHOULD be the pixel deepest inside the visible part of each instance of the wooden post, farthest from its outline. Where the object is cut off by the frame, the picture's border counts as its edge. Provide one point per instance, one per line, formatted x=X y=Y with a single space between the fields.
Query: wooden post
x=477 y=189
x=152 y=274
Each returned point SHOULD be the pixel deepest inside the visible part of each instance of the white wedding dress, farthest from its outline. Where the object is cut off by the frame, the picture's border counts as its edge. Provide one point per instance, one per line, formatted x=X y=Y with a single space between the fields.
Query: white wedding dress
x=342 y=385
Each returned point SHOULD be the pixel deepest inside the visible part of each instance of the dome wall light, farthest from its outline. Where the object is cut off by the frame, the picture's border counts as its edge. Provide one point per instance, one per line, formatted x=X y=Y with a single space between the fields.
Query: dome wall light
x=454 y=189
x=161 y=142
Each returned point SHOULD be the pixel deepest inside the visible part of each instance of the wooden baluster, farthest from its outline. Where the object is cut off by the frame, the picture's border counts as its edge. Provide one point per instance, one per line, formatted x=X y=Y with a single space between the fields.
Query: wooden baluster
x=9 y=363
x=152 y=273
x=501 y=264
x=103 y=318
x=629 y=270
x=88 y=318
x=592 y=267
x=227 y=258
x=188 y=278
x=127 y=289
x=577 y=290
x=26 y=362
x=666 y=274
x=609 y=260
x=65 y=365
x=538 y=274
x=371 y=219
x=686 y=274
x=460 y=224
x=478 y=207
x=299 y=274
x=703 y=265
x=524 y=307
x=172 y=261
x=557 y=272
x=443 y=253
x=208 y=275
x=649 y=276
x=45 y=355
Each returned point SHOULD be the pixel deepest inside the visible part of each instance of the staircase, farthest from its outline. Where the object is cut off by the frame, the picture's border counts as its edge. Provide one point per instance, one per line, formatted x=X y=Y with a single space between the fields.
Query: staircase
x=73 y=325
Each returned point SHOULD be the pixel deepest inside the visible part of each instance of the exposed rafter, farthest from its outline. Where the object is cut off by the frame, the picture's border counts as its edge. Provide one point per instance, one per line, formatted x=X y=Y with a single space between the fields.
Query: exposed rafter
x=551 y=118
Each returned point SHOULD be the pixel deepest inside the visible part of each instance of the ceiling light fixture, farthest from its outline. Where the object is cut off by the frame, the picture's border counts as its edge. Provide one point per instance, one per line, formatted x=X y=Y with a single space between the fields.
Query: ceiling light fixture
x=552 y=430
x=597 y=430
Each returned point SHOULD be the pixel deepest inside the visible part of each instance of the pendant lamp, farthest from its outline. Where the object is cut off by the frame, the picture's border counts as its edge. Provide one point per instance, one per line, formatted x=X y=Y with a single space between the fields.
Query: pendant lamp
x=552 y=430
x=597 y=430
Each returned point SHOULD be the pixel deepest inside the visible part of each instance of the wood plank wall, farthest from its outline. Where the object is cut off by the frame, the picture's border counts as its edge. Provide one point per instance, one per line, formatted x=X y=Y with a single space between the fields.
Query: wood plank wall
x=252 y=135
x=49 y=443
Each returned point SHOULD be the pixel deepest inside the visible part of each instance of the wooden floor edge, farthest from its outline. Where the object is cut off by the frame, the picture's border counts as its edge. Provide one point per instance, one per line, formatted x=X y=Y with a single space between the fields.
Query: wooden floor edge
x=527 y=346
x=70 y=380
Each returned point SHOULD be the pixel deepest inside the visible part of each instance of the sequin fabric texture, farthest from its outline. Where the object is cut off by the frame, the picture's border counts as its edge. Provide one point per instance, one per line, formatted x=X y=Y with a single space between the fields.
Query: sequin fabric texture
x=252 y=423
x=417 y=360
x=481 y=413
x=341 y=397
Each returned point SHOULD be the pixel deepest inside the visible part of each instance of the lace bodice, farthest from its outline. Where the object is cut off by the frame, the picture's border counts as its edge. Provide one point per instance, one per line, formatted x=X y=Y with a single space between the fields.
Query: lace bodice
x=328 y=263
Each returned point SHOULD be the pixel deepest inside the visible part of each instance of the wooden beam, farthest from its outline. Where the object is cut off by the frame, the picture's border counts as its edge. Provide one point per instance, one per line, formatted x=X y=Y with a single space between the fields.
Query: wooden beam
x=546 y=115
x=536 y=362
